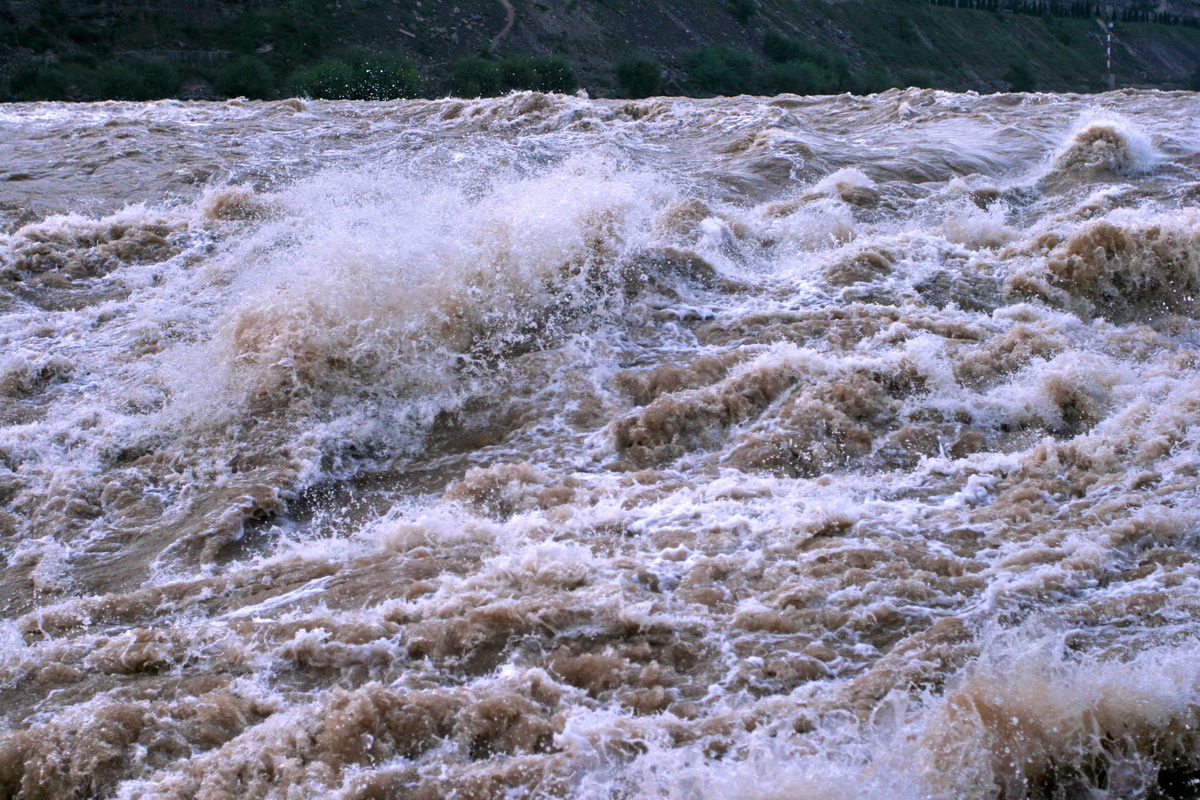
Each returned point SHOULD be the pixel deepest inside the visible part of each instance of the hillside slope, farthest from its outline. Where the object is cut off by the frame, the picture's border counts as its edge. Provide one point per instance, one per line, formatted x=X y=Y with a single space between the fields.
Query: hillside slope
x=875 y=43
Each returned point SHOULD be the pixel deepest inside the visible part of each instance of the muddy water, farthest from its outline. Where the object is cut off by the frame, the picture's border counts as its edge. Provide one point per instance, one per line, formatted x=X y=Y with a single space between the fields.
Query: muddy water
x=548 y=447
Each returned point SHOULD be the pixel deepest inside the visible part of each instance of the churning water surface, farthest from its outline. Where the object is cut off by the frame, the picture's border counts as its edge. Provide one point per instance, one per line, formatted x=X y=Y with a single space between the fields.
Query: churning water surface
x=541 y=446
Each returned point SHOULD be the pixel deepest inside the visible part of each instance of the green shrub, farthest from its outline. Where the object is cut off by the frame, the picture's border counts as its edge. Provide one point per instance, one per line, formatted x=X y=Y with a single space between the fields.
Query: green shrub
x=720 y=69
x=363 y=75
x=554 y=74
x=742 y=10
x=797 y=77
x=783 y=49
x=639 y=76
x=479 y=77
x=378 y=76
x=907 y=32
x=474 y=77
x=780 y=48
x=36 y=39
x=838 y=67
x=517 y=73
x=115 y=80
x=329 y=79
x=914 y=78
x=80 y=59
x=868 y=82
x=51 y=13
x=34 y=79
x=86 y=35
x=245 y=76
x=1020 y=78
x=159 y=78
x=135 y=79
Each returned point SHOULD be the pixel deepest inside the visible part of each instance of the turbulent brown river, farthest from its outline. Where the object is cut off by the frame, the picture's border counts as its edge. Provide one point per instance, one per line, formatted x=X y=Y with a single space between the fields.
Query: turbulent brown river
x=547 y=447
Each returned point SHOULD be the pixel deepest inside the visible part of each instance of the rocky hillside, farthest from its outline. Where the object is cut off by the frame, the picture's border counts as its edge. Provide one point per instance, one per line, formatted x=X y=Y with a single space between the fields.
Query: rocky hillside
x=81 y=49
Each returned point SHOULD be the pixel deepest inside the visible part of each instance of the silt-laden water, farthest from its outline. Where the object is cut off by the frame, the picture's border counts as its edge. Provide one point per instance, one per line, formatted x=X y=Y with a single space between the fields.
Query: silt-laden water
x=541 y=446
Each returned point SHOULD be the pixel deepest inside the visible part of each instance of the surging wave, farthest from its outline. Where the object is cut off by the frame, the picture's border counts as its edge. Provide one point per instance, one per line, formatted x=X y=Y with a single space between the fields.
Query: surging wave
x=393 y=281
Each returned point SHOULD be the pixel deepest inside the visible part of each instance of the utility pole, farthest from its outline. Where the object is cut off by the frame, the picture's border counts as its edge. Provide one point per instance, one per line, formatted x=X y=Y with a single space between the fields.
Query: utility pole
x=1110 y=80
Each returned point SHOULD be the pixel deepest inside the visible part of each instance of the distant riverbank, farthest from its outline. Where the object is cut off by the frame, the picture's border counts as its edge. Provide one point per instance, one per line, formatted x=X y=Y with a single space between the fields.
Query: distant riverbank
x=51 y=50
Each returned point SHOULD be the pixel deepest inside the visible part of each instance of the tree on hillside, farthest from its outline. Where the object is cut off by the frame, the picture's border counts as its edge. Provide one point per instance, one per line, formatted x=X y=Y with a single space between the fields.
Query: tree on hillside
x=553 y=74
x=1020 y=78
x=135 y=79
x=517 y=73
x=245 y=76
x=474 y=77
x=797 y=77
x=35 y=79
x=329 y=79
x=742 y=10
x=639 y=75
x=720 y=69
x=780 y=48
x=360 y=75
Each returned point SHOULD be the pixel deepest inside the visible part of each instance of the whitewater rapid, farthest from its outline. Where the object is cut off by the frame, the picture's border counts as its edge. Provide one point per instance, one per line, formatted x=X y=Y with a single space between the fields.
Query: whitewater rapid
x=539 y=446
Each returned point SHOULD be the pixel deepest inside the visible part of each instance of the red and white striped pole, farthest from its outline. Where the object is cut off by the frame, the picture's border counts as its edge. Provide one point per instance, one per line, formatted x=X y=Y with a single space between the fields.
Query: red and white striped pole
x=1109 y=78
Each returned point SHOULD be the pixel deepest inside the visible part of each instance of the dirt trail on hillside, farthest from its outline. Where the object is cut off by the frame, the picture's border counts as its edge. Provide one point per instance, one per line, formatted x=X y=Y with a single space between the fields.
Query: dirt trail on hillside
x=510 y=16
